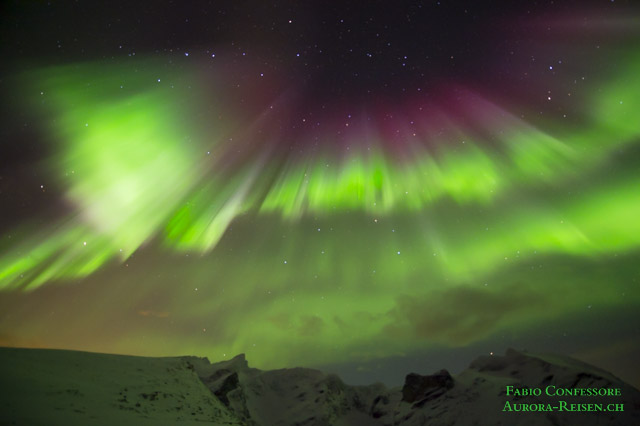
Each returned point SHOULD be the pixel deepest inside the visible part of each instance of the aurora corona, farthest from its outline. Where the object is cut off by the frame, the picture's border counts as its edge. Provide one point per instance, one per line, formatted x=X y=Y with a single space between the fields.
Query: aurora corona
x=338 y=230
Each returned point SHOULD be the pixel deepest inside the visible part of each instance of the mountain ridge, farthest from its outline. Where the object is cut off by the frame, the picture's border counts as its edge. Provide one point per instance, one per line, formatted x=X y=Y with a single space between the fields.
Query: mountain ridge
x=67 y=387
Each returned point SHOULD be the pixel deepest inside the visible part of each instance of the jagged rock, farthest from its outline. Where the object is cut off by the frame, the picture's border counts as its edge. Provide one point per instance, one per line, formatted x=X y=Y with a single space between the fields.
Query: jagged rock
x=150 y=391
x=420 y=388
x=379 y=407
x=225 y=385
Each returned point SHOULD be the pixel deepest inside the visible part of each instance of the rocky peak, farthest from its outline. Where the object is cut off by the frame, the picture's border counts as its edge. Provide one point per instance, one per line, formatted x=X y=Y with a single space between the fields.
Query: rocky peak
x=425 y=388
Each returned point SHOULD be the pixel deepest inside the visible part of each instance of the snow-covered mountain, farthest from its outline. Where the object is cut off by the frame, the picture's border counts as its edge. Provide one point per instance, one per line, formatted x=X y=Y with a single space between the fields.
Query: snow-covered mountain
x=55 y=387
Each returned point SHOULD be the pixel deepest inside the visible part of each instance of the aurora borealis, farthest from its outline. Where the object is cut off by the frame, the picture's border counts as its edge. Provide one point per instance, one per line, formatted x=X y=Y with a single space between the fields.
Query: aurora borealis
x=240 y=183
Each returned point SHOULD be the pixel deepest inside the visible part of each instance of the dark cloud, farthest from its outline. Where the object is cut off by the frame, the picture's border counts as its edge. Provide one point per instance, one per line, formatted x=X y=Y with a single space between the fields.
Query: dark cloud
x=311 y=325
x=460 y=315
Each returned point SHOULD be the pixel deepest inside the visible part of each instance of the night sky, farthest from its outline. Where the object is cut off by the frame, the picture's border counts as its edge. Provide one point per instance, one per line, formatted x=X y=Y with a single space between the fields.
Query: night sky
x=370 y=188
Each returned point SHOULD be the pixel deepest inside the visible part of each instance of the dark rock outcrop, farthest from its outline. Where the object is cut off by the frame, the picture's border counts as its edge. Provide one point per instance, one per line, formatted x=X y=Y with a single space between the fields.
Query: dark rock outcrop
x=227 y=384
x=150 y=391
x=425 y=388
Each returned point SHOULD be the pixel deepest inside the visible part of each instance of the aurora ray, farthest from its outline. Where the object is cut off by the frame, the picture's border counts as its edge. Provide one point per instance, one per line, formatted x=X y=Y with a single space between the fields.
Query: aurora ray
x=242 y=213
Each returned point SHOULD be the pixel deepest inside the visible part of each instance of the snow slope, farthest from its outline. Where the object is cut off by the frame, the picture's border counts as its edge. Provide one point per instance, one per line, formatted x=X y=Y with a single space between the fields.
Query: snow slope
x=56 y=387
x=53 y=387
